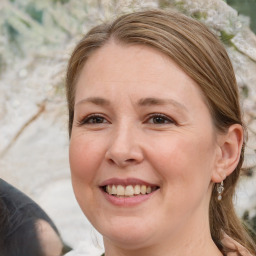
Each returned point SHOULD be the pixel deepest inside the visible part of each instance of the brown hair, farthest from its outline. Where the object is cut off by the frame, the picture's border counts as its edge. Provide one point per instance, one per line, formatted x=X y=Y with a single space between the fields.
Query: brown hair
x=200 y=55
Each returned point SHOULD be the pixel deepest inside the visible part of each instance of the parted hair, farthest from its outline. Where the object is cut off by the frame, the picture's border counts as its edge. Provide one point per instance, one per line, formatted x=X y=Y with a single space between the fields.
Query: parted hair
x=202 y=56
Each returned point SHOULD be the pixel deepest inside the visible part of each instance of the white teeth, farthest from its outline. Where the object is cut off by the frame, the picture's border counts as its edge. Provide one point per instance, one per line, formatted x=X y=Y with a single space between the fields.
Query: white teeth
x=113 y=190
x=109 y=189
x=143 y=189
x=119 y=190
x=137 y=190
x=129 y=191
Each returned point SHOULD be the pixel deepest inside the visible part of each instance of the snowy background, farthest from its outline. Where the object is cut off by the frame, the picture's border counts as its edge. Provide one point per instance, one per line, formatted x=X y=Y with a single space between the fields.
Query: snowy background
x=36 y=39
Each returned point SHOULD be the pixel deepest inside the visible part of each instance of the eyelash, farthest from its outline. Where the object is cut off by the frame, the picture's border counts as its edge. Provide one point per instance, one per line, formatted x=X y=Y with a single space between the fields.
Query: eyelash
x=87 y=120
x=163 y=117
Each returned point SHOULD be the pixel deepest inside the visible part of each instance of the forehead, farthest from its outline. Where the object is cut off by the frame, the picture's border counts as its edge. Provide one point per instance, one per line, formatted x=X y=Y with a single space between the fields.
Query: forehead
x=133 y=57
x=130 y=65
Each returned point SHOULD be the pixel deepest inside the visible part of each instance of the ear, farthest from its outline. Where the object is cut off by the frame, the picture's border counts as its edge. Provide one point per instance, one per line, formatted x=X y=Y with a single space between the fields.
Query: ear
x=229 y=150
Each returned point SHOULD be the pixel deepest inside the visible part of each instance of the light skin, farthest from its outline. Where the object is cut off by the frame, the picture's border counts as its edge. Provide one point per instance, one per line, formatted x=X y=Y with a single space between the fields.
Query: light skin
x=49 y=240
x=138 y=115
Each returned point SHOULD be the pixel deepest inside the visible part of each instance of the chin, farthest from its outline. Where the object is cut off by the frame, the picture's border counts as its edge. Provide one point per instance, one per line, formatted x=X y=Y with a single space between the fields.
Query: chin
x=128 y=234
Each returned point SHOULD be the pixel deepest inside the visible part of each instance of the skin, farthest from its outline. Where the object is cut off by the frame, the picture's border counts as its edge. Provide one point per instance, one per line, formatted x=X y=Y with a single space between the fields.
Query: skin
x=49 y=240
x=181 y=152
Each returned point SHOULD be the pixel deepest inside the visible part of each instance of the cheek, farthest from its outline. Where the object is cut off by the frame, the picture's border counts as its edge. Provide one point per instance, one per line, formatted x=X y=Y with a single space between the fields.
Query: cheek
x=186 y=167
x=184 y=161
x=85 y=156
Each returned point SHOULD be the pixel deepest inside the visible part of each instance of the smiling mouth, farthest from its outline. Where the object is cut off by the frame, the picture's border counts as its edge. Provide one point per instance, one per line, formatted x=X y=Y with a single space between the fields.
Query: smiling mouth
x=129 y=190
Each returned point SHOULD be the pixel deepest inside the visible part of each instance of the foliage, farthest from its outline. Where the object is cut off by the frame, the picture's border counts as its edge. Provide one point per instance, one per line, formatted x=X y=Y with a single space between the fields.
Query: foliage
x=246 y=7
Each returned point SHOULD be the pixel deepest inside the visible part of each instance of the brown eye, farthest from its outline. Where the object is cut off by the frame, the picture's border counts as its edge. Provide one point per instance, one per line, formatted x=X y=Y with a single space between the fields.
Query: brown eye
x=93 y=119
x=160 y=119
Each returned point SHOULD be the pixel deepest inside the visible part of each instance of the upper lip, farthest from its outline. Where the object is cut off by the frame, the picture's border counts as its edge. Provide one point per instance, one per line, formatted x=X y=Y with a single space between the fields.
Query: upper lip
x=126 y=182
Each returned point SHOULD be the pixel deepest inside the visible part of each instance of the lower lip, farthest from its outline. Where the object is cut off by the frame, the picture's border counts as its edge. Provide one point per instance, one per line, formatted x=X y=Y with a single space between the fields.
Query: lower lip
x=127 y=201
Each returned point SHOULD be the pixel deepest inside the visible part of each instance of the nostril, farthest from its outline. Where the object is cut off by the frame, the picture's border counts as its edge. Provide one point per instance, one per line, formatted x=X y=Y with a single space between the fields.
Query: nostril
x=122 y=162
x=130 y=160
x=111 y=161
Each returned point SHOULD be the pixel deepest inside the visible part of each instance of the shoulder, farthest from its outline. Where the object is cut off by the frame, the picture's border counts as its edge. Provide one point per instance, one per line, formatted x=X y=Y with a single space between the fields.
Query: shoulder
x=237 y=249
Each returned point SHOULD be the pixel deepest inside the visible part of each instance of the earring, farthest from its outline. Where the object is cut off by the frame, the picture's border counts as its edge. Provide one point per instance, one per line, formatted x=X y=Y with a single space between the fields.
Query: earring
x=220 y=189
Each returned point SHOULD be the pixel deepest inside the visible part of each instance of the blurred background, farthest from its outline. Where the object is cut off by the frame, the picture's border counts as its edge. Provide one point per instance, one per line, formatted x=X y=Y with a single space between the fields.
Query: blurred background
x=36 y=39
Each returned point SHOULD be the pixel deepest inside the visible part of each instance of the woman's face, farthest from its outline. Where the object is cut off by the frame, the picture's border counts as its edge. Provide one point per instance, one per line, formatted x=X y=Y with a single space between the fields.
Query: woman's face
x=143 y=147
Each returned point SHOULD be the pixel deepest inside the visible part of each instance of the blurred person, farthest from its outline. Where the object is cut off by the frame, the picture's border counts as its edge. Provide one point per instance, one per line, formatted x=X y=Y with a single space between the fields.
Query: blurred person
x=25 y=229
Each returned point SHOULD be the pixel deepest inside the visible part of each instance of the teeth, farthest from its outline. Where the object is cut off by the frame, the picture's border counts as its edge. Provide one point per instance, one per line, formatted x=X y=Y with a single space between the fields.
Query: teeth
x=113 y=190
x=109 y=189
x=143 y=189
x=119 y=190
x=137 y=190
x=129 y=191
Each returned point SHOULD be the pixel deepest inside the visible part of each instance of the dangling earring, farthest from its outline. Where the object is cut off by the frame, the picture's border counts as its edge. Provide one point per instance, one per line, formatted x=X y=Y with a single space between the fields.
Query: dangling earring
x=220 y=189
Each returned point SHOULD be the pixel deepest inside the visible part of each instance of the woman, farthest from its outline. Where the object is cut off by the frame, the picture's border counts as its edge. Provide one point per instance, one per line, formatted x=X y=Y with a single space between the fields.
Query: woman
x=25 y=229
x=156 y=137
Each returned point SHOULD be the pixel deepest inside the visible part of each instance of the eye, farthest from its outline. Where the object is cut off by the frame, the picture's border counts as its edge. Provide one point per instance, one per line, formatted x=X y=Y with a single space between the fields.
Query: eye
x=93 y=119
x=160 y=119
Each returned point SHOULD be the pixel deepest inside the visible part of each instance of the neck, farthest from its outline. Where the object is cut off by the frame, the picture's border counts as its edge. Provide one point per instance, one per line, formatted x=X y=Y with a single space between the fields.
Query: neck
x=184 y=248
x=192 y=240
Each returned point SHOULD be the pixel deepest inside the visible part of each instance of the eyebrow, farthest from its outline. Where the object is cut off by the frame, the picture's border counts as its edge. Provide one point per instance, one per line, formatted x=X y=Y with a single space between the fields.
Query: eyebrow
x=159 y=101
x=151 y=101
x=95 y=100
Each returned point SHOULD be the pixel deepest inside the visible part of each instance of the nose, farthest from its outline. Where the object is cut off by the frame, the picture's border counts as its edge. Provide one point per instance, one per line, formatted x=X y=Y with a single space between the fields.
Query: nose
x=124 y=147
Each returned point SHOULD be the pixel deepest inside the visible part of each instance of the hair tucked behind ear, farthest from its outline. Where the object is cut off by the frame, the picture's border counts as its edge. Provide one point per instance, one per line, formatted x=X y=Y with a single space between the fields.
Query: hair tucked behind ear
x=200 y=55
